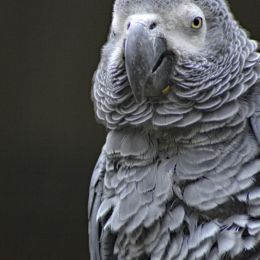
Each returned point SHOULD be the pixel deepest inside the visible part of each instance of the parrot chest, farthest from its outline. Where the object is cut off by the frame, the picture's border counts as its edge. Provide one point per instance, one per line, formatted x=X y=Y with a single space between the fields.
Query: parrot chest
x=156 y=194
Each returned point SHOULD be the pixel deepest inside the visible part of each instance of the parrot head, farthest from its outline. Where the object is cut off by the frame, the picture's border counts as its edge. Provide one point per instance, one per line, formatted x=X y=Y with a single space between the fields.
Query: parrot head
x=167 y=62
x=154 y=39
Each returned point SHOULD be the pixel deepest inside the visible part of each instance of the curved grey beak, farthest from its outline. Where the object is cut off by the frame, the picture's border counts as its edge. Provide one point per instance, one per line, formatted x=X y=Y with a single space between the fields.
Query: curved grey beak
x=148 y=63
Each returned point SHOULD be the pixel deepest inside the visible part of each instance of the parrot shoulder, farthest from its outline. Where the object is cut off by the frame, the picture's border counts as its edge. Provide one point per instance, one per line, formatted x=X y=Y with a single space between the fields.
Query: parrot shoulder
x=95 y=196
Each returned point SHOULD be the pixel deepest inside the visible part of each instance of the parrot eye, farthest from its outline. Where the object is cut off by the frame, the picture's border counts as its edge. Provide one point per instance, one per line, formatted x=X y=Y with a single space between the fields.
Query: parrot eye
x=197 y=23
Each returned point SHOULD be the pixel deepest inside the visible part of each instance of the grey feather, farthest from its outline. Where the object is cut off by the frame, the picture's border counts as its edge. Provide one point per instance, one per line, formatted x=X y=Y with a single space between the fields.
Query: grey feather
x=255 y=119
x=178 y=177
x=94 y=204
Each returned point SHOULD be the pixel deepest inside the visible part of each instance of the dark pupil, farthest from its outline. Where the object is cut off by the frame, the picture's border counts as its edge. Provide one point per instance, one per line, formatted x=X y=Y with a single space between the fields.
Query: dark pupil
x=196 y=21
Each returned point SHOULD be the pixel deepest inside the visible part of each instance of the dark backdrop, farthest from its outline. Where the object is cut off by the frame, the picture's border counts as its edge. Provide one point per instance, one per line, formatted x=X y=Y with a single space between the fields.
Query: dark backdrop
x=49 y=138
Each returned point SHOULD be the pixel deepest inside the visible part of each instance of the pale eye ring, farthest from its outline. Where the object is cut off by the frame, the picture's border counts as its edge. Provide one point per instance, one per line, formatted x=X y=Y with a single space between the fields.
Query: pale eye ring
x=197 y=23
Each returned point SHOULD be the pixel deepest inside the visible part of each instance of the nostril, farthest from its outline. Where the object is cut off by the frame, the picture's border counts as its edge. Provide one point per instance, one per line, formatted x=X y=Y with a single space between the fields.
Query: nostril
x=128 y=25
x=152 y=26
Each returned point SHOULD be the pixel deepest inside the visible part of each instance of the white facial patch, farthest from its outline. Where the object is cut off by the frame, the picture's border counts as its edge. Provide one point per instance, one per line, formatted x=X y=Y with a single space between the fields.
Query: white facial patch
x=117 y=54
x=181 y=37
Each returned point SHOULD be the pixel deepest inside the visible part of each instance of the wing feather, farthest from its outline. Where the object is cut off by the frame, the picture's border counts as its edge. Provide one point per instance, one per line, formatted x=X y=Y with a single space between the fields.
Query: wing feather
x=255 y=119
x=95 y=196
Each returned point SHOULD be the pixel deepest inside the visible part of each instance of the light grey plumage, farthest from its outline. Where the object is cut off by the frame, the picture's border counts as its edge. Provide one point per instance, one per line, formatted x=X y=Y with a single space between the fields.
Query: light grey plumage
x=178 y=177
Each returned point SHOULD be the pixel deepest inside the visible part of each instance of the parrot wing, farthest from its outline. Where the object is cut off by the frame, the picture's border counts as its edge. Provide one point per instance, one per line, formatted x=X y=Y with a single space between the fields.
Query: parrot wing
x=95 y=197
x=255 y=119
x=255 y=124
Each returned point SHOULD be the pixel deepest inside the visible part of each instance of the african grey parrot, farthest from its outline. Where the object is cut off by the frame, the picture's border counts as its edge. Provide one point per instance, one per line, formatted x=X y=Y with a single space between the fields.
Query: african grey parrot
x=178 y=88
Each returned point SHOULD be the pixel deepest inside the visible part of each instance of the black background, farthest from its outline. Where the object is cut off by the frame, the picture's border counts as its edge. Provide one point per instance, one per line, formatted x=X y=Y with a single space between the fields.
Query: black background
x=49 y=138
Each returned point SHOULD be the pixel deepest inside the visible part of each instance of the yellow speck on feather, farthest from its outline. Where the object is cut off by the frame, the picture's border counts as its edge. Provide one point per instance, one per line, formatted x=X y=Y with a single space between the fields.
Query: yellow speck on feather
x=166 y=90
